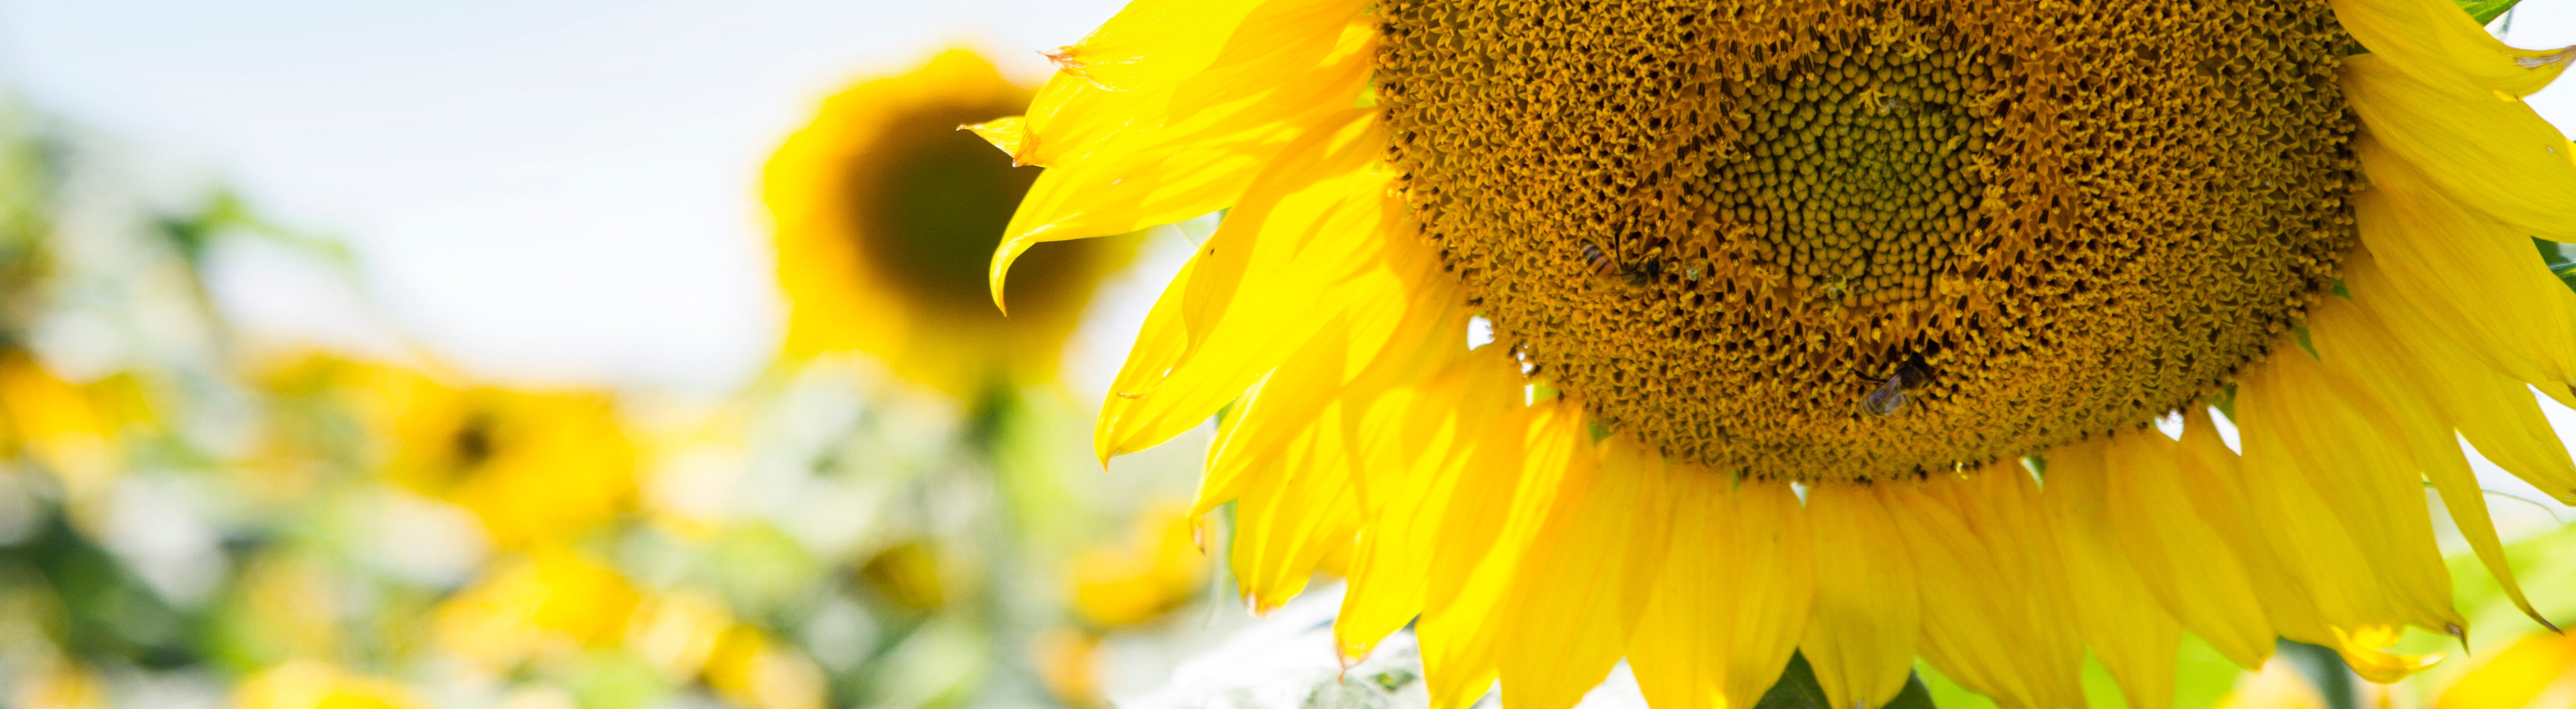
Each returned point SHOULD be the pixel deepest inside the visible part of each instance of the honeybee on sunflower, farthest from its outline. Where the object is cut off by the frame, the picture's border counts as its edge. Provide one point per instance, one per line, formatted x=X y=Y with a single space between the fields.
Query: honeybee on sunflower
x=1708 y=237
x=884 y=214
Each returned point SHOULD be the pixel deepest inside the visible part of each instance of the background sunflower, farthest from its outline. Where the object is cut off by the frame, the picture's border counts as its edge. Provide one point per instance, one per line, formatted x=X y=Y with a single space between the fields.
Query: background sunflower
x=885 y=210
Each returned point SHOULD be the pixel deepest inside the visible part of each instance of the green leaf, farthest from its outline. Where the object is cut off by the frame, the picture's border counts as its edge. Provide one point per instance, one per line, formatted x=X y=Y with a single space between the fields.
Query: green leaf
x=2560 y=262
x=2324 y=670
x=1798 y=689
x=2485 y=11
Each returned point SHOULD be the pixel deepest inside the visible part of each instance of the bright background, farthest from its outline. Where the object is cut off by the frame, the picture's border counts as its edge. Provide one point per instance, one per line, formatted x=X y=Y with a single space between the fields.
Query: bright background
x=542 y=190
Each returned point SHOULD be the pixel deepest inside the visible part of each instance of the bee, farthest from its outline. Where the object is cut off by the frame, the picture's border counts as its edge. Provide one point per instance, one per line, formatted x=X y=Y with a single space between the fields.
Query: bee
x=1885 y=399
x=1637 y=274
x=1890 y=396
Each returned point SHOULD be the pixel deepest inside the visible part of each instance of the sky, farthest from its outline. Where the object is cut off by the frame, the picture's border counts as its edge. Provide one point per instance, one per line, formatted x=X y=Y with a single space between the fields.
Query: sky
x=547 y=190
x=561 y=190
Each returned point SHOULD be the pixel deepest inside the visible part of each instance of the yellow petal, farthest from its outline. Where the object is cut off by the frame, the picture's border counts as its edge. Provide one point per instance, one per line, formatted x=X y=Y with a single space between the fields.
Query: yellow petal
x=1509 y=487
x=1158 y=43
x=2427 y=389
x=1160 y=342
x=1284 y=406
x=1288 y=520
x=1117 y=89
x=2214 y=478
x=1414 y=462
x=1306 y=246
x=1993 y=611
x=1579 y=593
x=2484 y=149
x=1866 y=616
x=1134 y=144
x=2365 y=650
x=2340 y=490
x=2128 y=631
x=1732 y=600
x=2467 y=290
x=2461 y=273
x=2440 y=45
x=1009 y=133
x=2403 y=436
x=2182 y=558
x=2222 y=496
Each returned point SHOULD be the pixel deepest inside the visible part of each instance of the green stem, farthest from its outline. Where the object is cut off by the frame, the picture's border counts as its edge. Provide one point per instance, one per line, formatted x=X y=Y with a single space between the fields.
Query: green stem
x=2325 y=669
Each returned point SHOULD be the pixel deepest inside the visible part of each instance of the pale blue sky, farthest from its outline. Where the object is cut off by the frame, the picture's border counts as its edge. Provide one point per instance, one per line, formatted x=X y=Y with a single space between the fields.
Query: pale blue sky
x=539 y=189
x=543 y=189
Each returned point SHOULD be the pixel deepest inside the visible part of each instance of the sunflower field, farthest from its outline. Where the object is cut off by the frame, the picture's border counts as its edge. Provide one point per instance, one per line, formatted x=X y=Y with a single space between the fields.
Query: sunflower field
x=1539 y=354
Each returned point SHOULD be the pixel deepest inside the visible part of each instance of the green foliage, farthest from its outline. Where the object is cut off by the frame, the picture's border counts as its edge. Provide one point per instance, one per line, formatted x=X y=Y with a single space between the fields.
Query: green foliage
x=224 y=215
x=2560 y=262
x=2202 y=678
x=105 y=610
x=2486 y=11
x=1798 y=689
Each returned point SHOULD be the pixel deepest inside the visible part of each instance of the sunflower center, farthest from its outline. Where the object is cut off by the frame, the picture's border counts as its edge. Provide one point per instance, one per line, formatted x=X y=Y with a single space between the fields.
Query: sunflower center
x=1835 y=241
x=933 y=205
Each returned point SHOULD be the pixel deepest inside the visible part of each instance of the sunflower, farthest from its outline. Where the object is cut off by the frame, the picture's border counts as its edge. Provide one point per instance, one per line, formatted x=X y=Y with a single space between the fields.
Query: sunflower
x=1832 y=328
x=884 y=214
x=537 y=467
x=2535 y=671
x=551 y=603
x=1154 y=572
x=72 y=430
x=313 y=685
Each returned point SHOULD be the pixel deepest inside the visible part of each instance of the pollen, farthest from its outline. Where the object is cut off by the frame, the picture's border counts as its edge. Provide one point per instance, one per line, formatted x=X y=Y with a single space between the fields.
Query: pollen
x=1865 y=240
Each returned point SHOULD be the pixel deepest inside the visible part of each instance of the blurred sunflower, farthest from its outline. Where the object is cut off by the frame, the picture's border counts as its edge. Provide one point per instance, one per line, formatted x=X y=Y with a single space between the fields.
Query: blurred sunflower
x=68 y=429
x=551 y=604
x=1156 y=571
x=312 y=685
x=64 y=686
x=1119 y=585
x=534 y=466
x=1795 y=306
x=757 y=671
x=884 y=214
x=2277 y=686
x=2536 y=671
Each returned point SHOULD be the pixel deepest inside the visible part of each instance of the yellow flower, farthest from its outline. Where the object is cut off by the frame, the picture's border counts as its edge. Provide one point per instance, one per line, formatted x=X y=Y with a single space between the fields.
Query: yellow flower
x=551 y=604
x=312 y=685
x=756 y=672
x=678 y=632
x=1068 y=663
x=533 y=466
x=69 y=429
x=1782 y=296
x=884 y=212
x=912 y=575
x=1153 y=573
x=63 y=686
x=275 y=609
x=2536 y=671
x=2277 y=686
